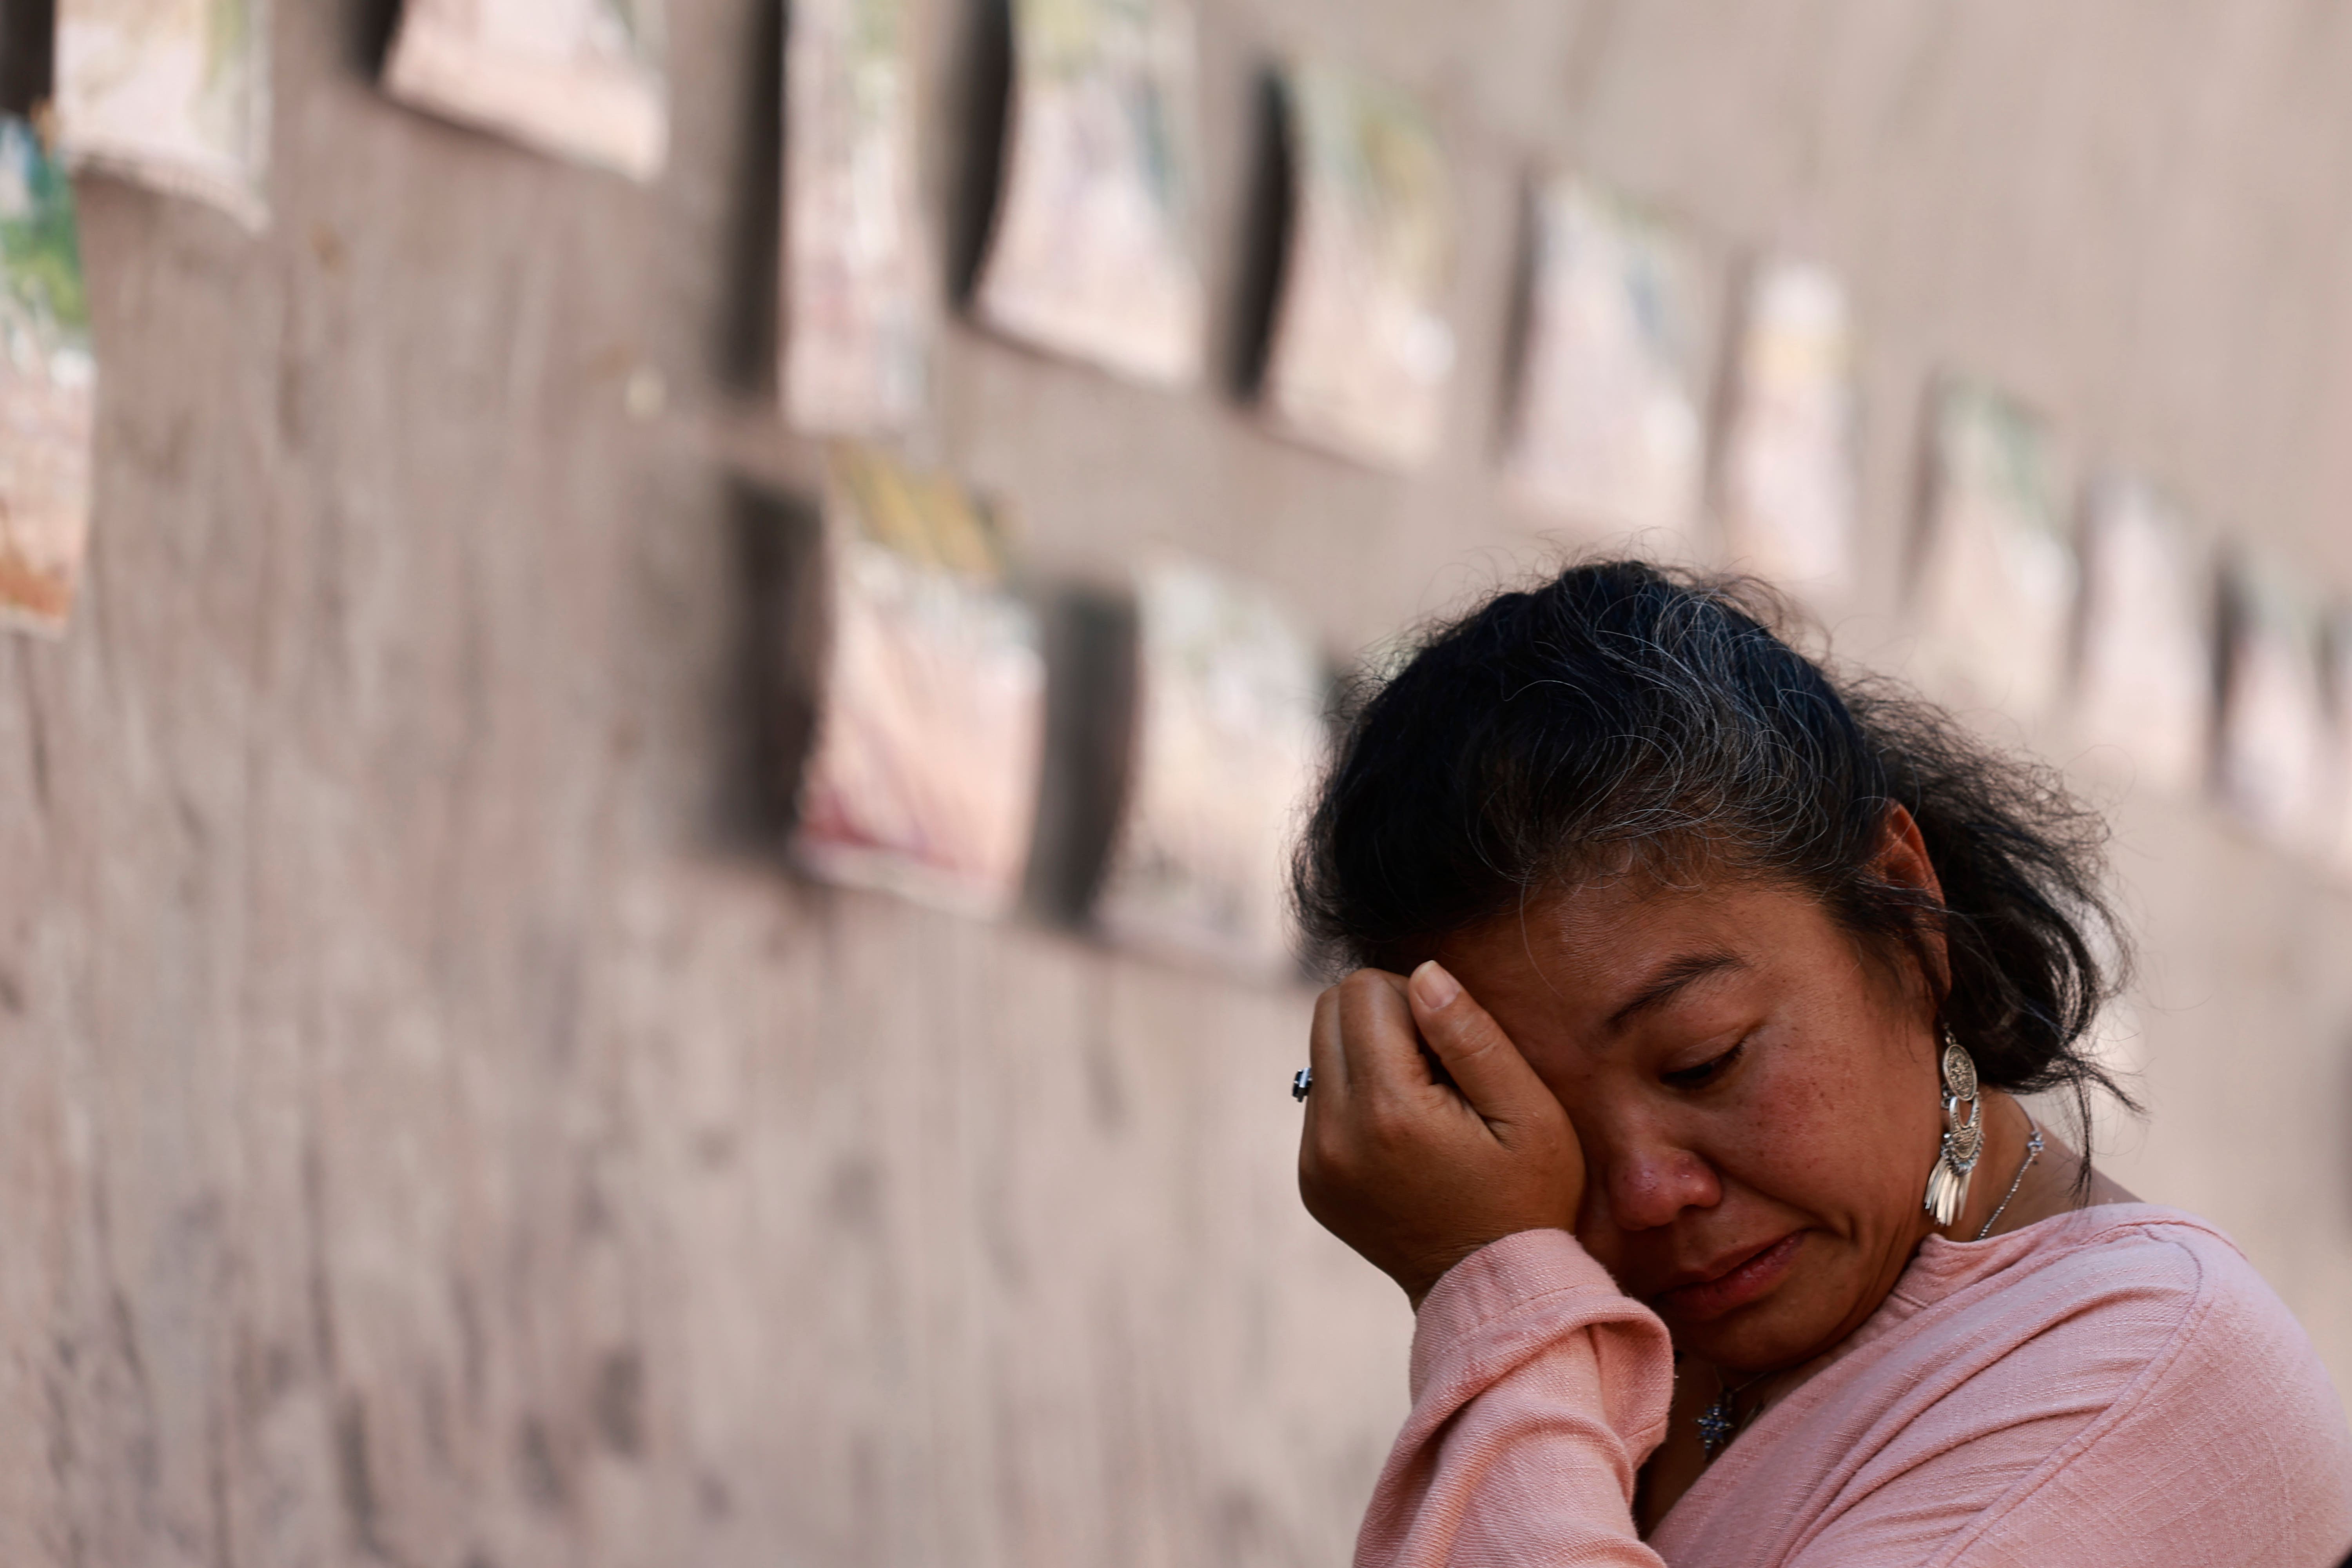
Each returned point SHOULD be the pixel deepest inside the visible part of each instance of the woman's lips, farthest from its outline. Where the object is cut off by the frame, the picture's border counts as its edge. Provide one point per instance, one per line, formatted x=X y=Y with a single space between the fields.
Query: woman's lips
x=1735 y=1286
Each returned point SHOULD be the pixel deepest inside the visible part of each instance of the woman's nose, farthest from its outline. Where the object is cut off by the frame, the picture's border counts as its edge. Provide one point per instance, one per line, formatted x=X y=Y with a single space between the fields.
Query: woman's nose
x=1652 y=1184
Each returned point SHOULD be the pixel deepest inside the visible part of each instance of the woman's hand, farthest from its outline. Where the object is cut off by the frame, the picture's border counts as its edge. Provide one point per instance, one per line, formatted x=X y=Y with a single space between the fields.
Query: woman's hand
x=1415 y=1172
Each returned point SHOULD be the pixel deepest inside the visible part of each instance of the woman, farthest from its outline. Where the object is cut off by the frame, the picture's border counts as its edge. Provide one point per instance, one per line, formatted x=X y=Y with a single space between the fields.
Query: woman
x=1677 y=1085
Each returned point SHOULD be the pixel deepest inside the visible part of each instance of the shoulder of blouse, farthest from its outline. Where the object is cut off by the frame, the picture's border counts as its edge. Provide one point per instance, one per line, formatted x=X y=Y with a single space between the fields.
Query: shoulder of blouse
x=2029 y=1382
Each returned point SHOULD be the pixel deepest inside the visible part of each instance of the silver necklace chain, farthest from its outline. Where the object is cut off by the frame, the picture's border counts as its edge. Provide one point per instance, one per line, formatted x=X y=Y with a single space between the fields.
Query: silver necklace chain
x=2032 y=1153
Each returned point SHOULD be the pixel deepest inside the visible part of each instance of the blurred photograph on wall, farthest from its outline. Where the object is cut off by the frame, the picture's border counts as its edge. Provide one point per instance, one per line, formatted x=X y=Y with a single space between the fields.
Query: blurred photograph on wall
x=1996 y=584
x=48 y=386
x=174 y=94
x=2145 y=670
x=1361 y=351
x=1610 y=424
x=1093 y=254
x=2274 y=753
x=581 y=80
x=2335 y=814
x=1788 y=460
x=930 y=726
x=856 y=280
x=1229 y=728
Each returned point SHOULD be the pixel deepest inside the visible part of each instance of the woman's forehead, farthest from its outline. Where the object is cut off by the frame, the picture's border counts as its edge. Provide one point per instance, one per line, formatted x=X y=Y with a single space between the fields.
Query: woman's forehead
x=1606 y=919
x=1607 y=951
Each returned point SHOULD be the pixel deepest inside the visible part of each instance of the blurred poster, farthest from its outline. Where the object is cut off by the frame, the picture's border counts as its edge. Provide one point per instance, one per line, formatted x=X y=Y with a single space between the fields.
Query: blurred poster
x=582 y=79
x=170 y=93
x=2147 y=671
x=2335 y=803
x=47 y=383
x=1997 y=578
x=1789 y=454
x=1361 y=351
x=2274 y=741
x=857 y=285
x=1093 y=253
x=923 y=780
x=1229 y=729
x=1609 y=426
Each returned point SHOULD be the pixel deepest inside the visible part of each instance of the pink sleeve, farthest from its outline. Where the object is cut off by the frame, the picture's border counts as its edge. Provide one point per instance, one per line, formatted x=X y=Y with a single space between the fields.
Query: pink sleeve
x=1538 y=1391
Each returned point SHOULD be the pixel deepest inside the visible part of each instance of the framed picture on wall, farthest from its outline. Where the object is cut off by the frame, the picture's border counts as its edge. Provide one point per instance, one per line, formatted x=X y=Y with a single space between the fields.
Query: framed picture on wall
x=858 y=280
x=48 y=386
x=2272 y=757
x=1787 y=500
x=582 y=79
x=171 y=93
x=1609 y=425
x=2145 y=673
x=930 y=725
x=1996 y=584
x=2335 y=815
x=1229 y=728
x=1093 y=253
x=1361 y=354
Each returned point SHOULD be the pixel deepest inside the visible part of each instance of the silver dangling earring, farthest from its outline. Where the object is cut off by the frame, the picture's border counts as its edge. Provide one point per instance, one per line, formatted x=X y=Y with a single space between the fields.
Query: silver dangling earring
x=1948 y=1183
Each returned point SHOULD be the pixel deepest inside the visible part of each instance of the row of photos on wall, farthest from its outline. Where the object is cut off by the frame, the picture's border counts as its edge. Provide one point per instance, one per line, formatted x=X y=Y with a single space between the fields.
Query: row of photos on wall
x=925 y=770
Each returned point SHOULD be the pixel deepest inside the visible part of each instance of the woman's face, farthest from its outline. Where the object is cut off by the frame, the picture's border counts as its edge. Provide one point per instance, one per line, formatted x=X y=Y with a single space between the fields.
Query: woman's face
x=1757 y=1101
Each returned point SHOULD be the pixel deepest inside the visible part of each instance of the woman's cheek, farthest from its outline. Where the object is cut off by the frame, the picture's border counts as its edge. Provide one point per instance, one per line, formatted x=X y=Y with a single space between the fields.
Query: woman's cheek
x=1826 y=1131
x=1797 y=1133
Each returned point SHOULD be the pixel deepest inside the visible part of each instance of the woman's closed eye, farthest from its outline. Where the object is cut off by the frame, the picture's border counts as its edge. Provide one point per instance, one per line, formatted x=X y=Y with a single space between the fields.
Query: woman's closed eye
x=1704 y=1073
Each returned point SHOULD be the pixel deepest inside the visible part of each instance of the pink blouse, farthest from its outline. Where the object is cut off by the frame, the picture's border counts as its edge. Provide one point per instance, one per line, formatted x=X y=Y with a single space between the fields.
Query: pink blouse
x=2115 y=1386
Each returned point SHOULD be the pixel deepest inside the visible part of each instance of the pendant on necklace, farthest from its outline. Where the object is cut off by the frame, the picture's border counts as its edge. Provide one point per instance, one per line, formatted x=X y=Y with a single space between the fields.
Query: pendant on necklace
x=1716 y=1423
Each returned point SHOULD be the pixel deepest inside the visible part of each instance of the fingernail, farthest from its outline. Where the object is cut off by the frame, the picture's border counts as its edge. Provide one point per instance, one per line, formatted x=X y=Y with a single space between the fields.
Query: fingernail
x=1434 y=987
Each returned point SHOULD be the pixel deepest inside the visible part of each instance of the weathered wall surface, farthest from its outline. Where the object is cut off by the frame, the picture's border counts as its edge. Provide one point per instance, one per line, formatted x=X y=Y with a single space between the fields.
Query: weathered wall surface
x=436 y=1132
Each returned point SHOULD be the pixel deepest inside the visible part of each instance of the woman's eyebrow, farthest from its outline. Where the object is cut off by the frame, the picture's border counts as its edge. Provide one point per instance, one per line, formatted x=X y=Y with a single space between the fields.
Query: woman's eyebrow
x=1670 y=979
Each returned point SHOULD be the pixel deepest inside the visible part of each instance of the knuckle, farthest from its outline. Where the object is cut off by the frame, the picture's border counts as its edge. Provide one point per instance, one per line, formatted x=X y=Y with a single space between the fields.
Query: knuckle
x=1479 y=1033
x=1474 y=1045
x=1368 y=990
x=1388 y=1124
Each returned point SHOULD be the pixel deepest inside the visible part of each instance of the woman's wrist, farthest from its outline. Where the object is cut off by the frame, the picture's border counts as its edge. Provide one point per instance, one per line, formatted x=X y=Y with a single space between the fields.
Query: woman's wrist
x=1429 y=1282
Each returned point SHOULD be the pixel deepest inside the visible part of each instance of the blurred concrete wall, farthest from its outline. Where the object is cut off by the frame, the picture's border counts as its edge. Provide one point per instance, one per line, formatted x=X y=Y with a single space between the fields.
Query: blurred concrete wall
x=432 y=1129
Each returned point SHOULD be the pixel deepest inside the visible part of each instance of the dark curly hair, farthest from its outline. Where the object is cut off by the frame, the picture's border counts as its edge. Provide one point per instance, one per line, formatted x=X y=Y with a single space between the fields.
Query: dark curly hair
x=1623 y=712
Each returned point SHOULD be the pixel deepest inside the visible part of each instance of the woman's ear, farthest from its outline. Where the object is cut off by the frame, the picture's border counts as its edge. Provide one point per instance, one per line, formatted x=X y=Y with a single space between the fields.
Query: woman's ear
x=1902 y=860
